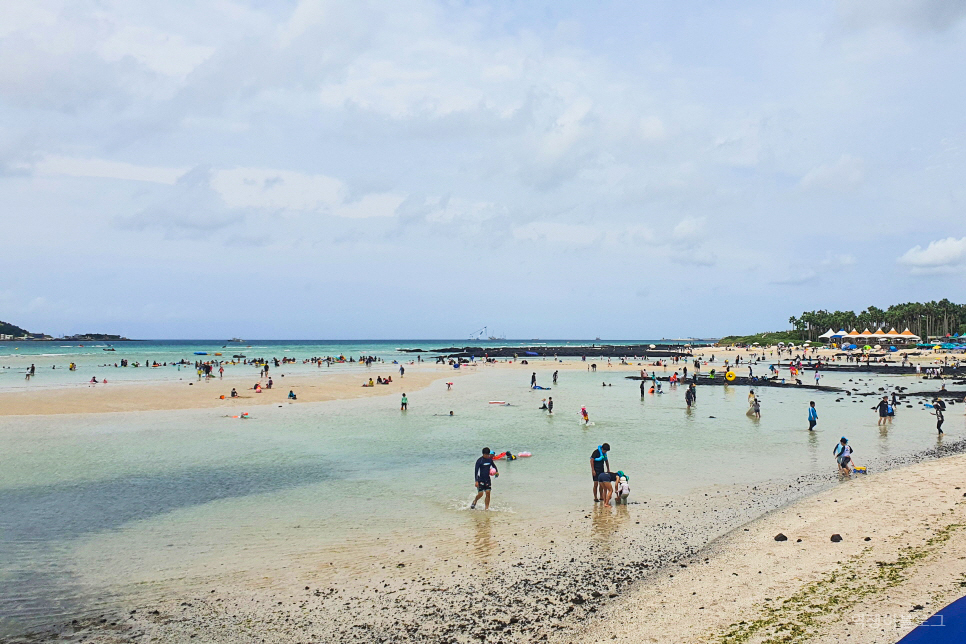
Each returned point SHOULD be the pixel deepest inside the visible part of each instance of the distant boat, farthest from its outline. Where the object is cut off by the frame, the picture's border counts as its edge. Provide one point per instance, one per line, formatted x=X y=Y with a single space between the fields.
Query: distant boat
x=597 y=338
x=236 y=340
x=111 y=349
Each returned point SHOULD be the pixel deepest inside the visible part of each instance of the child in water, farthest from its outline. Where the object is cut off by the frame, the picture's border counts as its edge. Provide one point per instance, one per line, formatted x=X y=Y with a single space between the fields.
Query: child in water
x=623 y=489
x=584 y=415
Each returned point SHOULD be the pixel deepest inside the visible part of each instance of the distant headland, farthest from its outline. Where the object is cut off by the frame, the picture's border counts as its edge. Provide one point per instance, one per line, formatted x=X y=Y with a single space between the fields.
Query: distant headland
x=11 y=332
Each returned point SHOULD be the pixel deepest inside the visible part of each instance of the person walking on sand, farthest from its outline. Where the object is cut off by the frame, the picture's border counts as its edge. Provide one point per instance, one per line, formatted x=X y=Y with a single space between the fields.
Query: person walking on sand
x=812 y=416
x=843 y=455
x=402 y=371
x=481 y=474
x=883 y=408
x=598 y=465
x=404 y=403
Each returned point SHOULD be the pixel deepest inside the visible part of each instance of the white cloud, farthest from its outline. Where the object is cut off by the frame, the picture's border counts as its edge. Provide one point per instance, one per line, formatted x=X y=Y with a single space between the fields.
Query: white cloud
x=941 y=256
x=285 y=190
x=165 y=53
x=689 y=228
x=845 y=174
x=277 y=189
x=557 y=233
x=53 y=165
x=652 y=128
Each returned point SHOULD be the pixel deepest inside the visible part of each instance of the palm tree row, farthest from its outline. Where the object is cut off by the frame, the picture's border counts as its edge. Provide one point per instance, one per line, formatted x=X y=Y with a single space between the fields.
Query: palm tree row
x=923 y=319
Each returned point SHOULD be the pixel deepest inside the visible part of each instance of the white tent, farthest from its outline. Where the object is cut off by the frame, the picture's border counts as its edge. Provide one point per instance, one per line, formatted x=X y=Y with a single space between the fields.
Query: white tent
x=828 y=334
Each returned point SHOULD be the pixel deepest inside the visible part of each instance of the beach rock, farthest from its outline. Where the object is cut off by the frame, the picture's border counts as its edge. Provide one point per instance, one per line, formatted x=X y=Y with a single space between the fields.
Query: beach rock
x=868 y=539
x=578 y=599
x=780 y=537
x=836 y=538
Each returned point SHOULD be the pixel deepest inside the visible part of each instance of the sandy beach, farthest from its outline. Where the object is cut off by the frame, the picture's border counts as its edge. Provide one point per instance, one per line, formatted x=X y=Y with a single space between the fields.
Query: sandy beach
x=192 y=393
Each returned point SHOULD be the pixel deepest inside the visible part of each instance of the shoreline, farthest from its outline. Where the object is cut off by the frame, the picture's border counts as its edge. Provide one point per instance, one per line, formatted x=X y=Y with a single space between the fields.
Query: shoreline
x=889 y=567
x=541 y=591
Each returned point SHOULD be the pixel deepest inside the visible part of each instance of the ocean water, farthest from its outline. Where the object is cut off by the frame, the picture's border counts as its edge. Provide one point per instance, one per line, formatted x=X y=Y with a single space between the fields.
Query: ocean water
x=98 y=509
x=52 y=359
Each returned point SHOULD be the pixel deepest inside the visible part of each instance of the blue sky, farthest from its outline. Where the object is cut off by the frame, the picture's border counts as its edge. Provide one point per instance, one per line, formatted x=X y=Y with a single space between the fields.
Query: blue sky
x=413 y=169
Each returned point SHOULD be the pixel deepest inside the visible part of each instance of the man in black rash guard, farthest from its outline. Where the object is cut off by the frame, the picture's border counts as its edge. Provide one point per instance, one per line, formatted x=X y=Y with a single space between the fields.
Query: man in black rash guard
x=482 y=475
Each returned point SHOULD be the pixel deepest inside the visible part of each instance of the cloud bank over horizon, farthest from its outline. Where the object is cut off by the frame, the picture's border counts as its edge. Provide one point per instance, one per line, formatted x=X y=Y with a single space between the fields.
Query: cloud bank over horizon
x=421 y=169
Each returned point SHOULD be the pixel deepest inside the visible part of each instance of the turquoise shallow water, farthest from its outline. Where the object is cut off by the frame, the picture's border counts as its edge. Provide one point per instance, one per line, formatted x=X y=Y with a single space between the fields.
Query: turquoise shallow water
x=103 y=506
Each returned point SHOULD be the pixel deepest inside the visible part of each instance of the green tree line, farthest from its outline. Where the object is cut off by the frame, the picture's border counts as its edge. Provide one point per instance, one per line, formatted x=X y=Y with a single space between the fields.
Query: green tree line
x=922 y=318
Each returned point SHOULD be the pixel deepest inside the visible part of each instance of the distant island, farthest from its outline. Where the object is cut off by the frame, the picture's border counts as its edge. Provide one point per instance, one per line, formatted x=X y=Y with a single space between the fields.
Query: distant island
x=925 y=319
x=11 y=332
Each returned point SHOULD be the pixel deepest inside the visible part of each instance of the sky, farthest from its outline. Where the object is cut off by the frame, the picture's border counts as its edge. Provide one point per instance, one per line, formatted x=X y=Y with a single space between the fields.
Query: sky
x=418 y=169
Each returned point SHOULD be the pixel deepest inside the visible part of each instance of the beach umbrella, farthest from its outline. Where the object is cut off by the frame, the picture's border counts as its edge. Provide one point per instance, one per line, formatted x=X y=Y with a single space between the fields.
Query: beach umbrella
x=878 y=346
x=652 y=346
x=892 y=349
x=866 y=347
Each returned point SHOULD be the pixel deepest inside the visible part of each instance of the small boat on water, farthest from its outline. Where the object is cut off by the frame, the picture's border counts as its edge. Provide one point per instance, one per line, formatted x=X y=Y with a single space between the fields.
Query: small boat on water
x=201 y=353
x=236 y=340
x=238 y=356
x=110 y=349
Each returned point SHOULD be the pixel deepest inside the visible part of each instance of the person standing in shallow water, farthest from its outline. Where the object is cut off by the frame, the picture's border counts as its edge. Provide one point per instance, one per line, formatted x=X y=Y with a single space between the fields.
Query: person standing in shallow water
x=883 y=409
x=598 y=465
x=939 y=406
x=404 y=403
x=481 y=474
x=812 y=416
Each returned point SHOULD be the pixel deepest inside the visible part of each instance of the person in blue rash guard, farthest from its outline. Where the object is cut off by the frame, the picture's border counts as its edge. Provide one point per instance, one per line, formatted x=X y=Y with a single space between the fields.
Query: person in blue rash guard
x=481 y=473
x=598 y=463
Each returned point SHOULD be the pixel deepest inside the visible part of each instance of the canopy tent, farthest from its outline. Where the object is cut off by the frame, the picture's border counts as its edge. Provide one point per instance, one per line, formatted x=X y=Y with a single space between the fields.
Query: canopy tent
x=841 y=333
x=909 y=335
x=828 y=334
x=852 y=333
x=893 y=333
